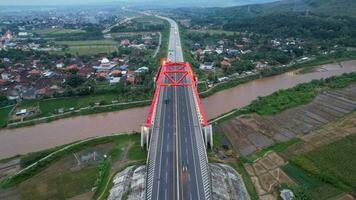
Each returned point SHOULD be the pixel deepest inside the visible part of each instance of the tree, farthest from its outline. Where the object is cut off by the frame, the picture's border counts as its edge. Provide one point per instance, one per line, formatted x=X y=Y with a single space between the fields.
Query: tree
x=3 y=100
x=75 y=81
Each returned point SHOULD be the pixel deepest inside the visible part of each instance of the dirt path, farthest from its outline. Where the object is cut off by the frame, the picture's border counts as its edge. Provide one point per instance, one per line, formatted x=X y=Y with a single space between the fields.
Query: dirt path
x=118 y=165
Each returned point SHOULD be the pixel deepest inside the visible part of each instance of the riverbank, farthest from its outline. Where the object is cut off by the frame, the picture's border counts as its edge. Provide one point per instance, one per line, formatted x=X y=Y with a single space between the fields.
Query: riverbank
x=260 y=138
x=126 y=105
x=63 y=131
x=104 y=99
x=82 y=111
x=74 y=106
x=80 y=169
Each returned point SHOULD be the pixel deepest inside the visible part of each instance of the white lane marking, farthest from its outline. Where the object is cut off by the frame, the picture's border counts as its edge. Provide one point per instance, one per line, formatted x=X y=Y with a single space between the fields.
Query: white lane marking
x=167 y=177
x=193 y=156
x=160 y=159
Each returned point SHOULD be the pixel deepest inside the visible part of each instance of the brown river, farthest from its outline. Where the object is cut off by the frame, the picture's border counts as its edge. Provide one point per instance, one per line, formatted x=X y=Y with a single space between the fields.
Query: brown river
x=46 y=135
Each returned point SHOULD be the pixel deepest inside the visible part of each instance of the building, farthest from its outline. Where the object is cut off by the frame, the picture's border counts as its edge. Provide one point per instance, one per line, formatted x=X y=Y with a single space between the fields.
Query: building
x=131 y=79
x=13 y=95
x=114 y=80
x=8 y=35
x=23 y=34
x=207 y=66
x=59 y=65
x=105 y=65
x=225 y=63
x=5 y=76
x=21 y=112
x=72 y=67
x=142 y=70
x=29 y=93
x=125 y=42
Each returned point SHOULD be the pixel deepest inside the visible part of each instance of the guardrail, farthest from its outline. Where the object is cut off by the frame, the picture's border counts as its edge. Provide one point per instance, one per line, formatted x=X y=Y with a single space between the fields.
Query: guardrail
x=151 y=157
x=203 y=157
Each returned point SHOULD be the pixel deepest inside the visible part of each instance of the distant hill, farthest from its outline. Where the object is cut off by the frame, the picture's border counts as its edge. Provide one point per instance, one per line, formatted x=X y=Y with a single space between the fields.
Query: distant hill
x=328 y=7
x=321 y=7
x=317 y=20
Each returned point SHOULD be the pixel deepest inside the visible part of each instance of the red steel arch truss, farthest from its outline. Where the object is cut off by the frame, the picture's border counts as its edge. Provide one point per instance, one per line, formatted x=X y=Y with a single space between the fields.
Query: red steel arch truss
x=169 y=70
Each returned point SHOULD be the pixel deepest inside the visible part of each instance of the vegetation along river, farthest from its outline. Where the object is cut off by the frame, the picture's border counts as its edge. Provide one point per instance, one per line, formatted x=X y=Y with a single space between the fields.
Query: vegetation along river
x=59 y=132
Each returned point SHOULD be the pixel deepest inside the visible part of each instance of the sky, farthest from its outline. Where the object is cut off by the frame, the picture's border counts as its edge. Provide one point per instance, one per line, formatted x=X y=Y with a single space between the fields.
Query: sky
x=46 y=2
x=73 y=2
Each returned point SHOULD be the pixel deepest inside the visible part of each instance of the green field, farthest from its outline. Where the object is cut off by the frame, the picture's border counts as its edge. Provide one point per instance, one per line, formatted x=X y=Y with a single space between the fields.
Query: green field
x=61 y=186
x=49 y=107
x=57 y=31
x=148 y=20
x=337 y=160
x=88 y=47
x=4 y=113
x=87 y=42
x=214 y=32
x=59 y=177
x=312 y=186
x=135 y=152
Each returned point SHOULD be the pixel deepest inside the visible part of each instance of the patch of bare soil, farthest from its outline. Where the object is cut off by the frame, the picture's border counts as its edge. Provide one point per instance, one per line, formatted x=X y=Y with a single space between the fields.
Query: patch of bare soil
x=85 y=196
x=324 y=135
x=266 y=173
x=8 y=168
x=249 y=133
x=9 y=194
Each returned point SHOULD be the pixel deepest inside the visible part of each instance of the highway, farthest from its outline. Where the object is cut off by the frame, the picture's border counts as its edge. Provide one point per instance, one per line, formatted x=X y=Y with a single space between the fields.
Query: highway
x=177 y=149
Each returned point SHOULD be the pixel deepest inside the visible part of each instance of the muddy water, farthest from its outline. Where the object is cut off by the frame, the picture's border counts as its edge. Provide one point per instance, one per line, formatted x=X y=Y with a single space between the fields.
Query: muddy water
x=42 y=136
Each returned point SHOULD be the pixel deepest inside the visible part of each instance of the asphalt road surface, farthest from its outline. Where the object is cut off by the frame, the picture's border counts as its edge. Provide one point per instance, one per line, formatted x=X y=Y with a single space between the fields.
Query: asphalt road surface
x=177 y=173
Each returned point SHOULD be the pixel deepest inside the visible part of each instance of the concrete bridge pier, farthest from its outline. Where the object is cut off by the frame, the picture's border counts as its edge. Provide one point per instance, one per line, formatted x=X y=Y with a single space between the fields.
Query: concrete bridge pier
x=208 y=136
x=145 y=137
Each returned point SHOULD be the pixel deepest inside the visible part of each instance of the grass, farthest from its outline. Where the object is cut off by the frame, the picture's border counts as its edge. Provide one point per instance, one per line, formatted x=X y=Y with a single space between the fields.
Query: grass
x=333 y=163
x=237 y=164
x=202 y=87
x=87 y=42
x=316 y=188
x=285 y=99
x=134 y=155
x=89 y=50
x=70 y=183
x=57 y=31
x=88 y=47
x=61 y=186
x=46 y=160
x=215 y=32
x=136 y=152
x=51 y=106
x=4 y=115
x=30 y=158
x=149 y=20
x=277 y=147
x=246 y=178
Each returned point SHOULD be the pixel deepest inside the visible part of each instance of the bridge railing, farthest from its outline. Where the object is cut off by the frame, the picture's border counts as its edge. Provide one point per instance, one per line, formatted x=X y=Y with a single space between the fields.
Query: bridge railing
x=203 y=157
x=166 y=71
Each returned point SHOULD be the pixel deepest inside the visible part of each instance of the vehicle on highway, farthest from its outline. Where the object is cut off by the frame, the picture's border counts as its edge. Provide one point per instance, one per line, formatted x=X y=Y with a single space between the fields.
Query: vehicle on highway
x=166 y=101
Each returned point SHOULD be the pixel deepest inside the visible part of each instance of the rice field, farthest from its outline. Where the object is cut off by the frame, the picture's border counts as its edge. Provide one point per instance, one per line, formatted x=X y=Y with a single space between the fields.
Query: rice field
x=337 y=160
x=57 y=31
x=87 y=47
x=251 y=132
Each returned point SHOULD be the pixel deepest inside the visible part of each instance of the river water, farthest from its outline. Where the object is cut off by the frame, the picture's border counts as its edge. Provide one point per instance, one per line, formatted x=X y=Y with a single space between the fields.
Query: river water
x=46 y=135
